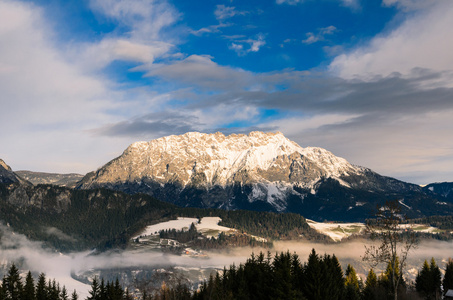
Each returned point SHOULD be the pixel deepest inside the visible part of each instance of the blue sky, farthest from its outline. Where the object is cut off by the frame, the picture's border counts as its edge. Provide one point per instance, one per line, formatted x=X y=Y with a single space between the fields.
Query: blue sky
x=371 y=81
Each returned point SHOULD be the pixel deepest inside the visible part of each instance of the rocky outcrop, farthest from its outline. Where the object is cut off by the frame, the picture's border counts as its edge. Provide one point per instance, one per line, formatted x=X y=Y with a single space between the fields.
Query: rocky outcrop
x=258 y=171
x=7 y=175
x=207 y=160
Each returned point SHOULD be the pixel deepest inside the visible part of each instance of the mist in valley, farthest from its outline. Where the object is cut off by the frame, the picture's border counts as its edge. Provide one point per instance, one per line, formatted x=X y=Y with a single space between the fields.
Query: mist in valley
x=34 y=256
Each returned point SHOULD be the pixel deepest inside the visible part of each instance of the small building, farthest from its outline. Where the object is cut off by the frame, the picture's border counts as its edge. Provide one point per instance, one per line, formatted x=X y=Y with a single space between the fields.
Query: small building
x=449 y=294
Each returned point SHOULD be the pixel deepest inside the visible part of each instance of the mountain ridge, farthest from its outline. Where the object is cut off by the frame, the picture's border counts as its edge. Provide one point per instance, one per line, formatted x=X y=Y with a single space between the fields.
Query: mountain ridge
x=259 y=171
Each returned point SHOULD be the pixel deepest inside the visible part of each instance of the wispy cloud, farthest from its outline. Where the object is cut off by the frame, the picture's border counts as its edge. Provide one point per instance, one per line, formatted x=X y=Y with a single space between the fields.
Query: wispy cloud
x=320 y=35
x=354 y=4
x=223 y=12
x=243 y=47
x=143 y=21
x=420 y=40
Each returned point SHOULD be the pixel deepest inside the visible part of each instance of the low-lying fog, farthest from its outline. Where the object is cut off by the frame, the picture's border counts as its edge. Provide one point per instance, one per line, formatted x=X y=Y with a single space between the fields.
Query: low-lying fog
x=32 y=256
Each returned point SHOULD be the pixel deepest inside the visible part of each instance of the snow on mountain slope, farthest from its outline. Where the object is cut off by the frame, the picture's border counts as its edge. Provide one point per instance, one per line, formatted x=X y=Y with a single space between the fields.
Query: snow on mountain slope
x=259 y=171
x=216 y=159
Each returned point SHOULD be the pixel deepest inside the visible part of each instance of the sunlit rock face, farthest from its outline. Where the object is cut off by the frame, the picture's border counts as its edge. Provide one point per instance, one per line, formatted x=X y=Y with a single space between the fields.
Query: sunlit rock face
x=258 y=171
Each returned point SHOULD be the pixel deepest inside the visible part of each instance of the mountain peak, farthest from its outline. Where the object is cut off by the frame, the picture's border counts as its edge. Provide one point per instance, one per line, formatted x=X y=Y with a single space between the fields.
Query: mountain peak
x=216 y=159
x=256 y=171
x=4 y=165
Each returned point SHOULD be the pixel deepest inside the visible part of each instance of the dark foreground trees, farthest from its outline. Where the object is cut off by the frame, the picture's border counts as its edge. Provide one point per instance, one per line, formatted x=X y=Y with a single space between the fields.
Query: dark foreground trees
x=282 y=276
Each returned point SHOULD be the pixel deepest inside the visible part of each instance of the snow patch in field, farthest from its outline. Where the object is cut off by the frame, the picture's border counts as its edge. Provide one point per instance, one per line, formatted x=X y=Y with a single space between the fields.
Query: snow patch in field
x=212 y=224
x=208 y=226
x=179 y=224
x=337 y=231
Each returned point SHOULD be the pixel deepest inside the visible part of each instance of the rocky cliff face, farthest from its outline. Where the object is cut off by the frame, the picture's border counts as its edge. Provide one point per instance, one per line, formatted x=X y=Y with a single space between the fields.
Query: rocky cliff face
x=8 y=176
x=258 y=171
x=216 y=160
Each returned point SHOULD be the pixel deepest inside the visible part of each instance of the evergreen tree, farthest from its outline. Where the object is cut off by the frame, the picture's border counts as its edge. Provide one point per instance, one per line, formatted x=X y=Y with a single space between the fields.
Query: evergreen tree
x=29 y=288
x=102 y=290
x=422 y=281
x=428 y=281
x=12 y=284
x=74 y=295
x=94 y=292
x=352 y=284
x=282 y=273
x=312 y=280
x=118 y=292
x=447 y=283
x=369 y=292
x=2 y=292
x=64 y=294
x=333 y=275
x=436 y=279
x=41 y=290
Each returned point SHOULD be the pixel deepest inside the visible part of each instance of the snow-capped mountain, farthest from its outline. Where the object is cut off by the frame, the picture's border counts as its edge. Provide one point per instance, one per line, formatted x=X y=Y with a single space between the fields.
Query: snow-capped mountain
x=258 y=171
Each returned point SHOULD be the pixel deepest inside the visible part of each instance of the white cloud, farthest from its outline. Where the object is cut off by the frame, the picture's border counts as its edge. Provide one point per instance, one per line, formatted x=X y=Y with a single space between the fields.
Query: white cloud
x=210 y=29
x=100 y=55
x=201 y=71
x=290 y=2
x=254 y=44
x=143 y=42
x=408 y=5
x=420 y=42
x=146 y=18
x=223 y=12
x=320 y=36
x=48 y=105
x=349 y=3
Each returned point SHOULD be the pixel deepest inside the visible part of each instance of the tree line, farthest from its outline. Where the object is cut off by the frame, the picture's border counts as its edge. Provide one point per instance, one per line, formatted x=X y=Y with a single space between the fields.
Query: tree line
x=14 y=287
x=282 y=276
x=321 y=277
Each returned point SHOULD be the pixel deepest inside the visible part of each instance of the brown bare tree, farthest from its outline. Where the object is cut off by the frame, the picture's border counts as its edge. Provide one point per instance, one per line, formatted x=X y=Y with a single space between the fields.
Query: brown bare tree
x=395 y=242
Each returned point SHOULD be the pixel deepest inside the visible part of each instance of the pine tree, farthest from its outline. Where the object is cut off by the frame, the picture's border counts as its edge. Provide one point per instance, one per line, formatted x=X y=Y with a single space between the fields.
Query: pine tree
x=447 y=283
x=313 y=281
x=422 y=282
x=29 y=288
x=102 y=290
x=428 y=281
x=64 y=294
x=94 y=292
x=369 y=292
x=41 y=290
x=74 y=295
x=352 y=284
x=2 y=292
x=12 y=284
x=118 y=293
x=333 y=277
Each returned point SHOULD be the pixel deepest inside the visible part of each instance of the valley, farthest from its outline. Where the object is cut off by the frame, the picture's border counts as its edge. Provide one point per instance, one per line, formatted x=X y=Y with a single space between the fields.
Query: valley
x=179 y=209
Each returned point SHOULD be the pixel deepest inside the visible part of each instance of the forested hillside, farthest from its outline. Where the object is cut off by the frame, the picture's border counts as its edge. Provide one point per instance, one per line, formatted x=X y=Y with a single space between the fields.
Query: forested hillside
x=70 y=219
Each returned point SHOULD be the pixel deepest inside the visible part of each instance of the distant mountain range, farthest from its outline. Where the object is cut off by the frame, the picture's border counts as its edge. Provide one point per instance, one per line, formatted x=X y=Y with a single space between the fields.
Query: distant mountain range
x=69 y=180
x=259 y=171
x=255 y=172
